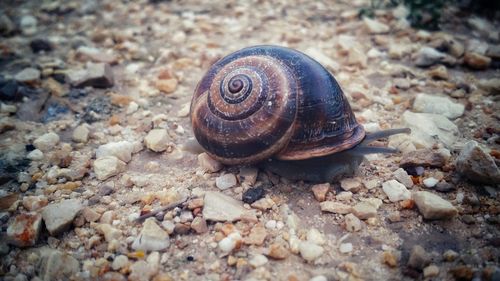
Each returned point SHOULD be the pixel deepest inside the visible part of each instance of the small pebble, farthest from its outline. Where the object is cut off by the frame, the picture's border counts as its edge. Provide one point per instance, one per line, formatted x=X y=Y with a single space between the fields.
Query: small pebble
x=253 y=194
x=226 y=181
x=345 y=248
x=430 y=182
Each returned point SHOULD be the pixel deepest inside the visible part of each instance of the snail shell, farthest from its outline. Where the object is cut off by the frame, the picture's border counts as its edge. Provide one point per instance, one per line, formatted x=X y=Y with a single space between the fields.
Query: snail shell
x=268 y=101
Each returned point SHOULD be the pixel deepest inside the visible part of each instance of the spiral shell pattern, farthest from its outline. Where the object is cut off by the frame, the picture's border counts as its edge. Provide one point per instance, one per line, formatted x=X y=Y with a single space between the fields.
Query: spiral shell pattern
x=244 y=109
x=269 y=101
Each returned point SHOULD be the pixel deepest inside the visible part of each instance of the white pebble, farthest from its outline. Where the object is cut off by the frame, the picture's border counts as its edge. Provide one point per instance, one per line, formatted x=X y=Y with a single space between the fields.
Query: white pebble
x=318 y=278
x=271 y=224
x=226 y=181
x=314 y=236
x=258 y=260
x=229 y=243
x=345 y=248
x=430 y=182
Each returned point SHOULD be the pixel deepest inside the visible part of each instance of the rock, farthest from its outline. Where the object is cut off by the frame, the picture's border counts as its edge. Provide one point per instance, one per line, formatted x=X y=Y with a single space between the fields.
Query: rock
x=444 y=186
x=462 y=272
x=320 y=191
x=220 y=207
x=81 y=134
x=357 y=56
x=419 y=258
x=24 y=230
x=167 y=85
x=310 y=251
x=57 y=265
x=34 y=203
x=121 y=150
x=432 y=206
x=427 y=128
x=248 y=175
x=352 y=223
x=85 y=53
x=40 y=45
x=90 y=215
x=390 y=258
x=344 y=196
x=46 y=142
x=351 y=184
x=477 y=165
x=252 y=194
x=439 y=72
x=257 y=235
x=209 y=164
x=132 y=108
x=28 y=75
x=54 y=87
x=258 y=260
x=492 y=86
x=277 y=251
x=476 y=61
x=402 y=176
x=199 y=225
x=314 y=236
x=7 y=27
x=364 y=210
x=427 y=56
x=98 y=75
x=450 y=255
x=157 y=140
x=335 y=207
x=225 y=181
x=394 y=216
x=425 y=158
x=263 y=204
x=28 y=24
x=374 y=26
x=6 y=108
x=430 y=182
x=10 y=91
x=371 y=184
x=110 y=233
x=35 y=155
x=142 y=271
x=402 y=83
x=345 y=248
x=438 y=105
x=120 y=261
x=493 y=52
x=271 y=224
x=319 y=278
x=395 y=191
x=151 y=238
x=484 y=27
x=108 y=166
x=59 y=216
x=231 y=242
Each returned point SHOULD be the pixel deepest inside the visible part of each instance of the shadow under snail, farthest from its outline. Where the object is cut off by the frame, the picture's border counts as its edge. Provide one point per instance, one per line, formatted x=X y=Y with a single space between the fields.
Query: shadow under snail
x=281 y=109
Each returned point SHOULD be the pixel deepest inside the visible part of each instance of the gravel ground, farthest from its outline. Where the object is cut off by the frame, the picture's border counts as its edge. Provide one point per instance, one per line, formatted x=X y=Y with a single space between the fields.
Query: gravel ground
x=101 y=178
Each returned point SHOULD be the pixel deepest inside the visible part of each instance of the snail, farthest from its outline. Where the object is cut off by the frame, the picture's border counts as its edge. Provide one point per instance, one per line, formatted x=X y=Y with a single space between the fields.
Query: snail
x=280 y=108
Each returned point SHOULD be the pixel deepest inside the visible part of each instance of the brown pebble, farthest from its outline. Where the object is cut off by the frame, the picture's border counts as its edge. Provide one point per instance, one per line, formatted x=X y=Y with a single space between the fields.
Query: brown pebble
x=462 y=273
x=277 y=251
x=320 y=191
x=390 y=259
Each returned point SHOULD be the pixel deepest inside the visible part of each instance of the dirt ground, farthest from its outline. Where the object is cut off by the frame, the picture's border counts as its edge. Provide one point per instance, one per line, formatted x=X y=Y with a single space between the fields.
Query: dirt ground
x=95 y=133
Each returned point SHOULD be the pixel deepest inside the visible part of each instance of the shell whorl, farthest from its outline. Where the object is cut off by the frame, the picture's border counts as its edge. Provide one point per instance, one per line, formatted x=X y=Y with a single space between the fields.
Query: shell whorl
x=244 y=109
x=269 y=101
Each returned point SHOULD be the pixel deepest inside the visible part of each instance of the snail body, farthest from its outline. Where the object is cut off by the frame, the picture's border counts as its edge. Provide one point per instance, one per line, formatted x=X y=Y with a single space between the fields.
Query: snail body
x=279 y=107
